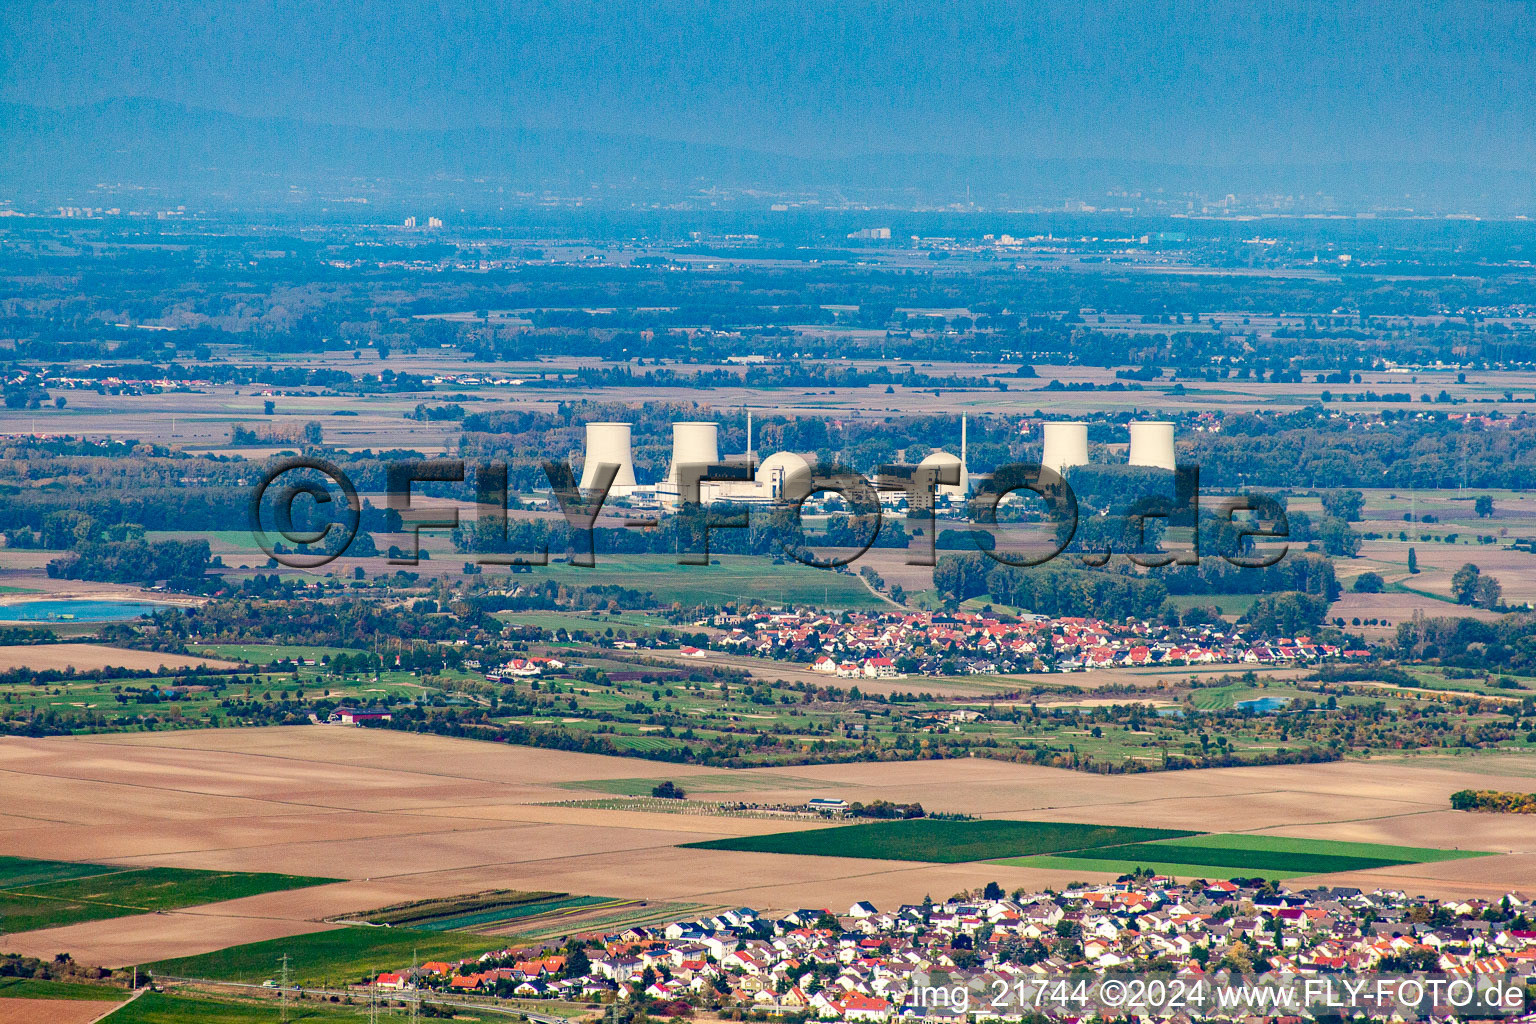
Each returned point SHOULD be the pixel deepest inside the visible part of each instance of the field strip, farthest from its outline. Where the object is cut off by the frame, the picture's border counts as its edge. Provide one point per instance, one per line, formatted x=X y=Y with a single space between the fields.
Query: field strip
x=350 y=765
x=174 y=789
x=1338 y=821
x=1426 y=809
x=853 y=876
x=567 y=856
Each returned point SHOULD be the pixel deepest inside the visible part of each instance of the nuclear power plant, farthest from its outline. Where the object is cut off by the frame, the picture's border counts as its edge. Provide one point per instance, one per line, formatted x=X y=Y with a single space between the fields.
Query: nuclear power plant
x=1152 y=444
x=1066 y=445
x=609 y=443
x=697 y=443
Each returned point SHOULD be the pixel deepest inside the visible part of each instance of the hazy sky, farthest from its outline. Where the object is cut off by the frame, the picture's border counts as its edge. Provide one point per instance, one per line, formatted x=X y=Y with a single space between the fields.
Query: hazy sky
x=1219 y=81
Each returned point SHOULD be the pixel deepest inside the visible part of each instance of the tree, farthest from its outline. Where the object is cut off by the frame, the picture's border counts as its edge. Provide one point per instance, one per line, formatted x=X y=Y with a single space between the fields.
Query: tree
x=1483 y=506
x=577 y=963
x=1337 y=538
x=269 y=407
x=668 y=790
x=993 y=891
x=1286 y=614
x=1368 y=583
x=1464 y=584
x=1238 y=958
x=1346 y=505
x=1490 y=593
x=1413 y=562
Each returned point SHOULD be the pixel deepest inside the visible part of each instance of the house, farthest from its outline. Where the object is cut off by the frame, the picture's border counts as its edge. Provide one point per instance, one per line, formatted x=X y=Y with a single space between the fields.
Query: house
x=357 y=716
x=858 y=1006
x=690 y=652
x=395 y=982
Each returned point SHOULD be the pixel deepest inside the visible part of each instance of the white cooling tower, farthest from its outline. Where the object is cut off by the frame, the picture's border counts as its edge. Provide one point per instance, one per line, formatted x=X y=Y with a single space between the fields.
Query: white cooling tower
x=693 y=444
x=1152 y=444
x=609 y=443
x=1066 y=445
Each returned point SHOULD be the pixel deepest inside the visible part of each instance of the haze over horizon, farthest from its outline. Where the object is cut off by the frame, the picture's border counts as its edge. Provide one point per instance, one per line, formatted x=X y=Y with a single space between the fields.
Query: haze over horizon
x=1442 y=86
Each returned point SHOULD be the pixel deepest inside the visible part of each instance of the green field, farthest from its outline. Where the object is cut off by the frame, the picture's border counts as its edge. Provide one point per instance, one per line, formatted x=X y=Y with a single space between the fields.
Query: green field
x=1226 y=604
x=734 y=578
x=943 y=842
x=473 y=911
x=1241 y=855
x=33 y=988
x=162 y=1008
x=19 y=871
x=1288 y=844
x=725 y=782
x=44 y=894
x=339 y=956
x=266 y=654
x=500 y=915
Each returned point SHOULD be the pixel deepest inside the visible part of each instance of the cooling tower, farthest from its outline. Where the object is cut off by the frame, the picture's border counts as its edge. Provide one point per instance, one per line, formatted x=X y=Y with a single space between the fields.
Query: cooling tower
x=609 y=442
x=693 y=444
x=1066 y=445
x=1152 y=444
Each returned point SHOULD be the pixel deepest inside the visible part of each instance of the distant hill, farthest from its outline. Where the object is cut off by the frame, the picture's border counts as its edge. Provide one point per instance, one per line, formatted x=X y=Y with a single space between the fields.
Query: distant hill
x=170 y=146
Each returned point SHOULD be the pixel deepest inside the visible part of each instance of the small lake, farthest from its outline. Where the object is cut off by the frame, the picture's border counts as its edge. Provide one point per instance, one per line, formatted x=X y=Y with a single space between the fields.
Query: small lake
x=78 y=611
x=1262 y=705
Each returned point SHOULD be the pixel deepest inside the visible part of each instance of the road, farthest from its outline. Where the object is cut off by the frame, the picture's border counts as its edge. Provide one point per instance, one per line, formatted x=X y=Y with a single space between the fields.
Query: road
x=405 y=996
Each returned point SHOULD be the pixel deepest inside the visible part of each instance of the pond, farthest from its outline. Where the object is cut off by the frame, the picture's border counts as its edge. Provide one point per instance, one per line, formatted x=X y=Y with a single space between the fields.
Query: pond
x=1262 y=705
x=78 y=611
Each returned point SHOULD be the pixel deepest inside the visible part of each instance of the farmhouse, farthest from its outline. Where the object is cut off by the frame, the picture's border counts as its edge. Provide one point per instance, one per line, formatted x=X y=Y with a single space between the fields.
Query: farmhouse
x=357 y=716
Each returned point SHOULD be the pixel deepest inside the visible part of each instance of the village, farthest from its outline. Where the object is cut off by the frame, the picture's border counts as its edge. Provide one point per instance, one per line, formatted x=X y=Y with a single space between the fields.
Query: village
x=894 y=645
x=865 y=964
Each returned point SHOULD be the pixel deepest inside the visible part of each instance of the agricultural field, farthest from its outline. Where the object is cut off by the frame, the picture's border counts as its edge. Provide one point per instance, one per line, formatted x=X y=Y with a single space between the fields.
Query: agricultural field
x=341 y=956
x=266 y=654
x=422 y=913
x=46 y=894
x=942 y=842
x=179 y=1008
x=34 y=988
x=1244 y=856
x=94 y=657
x=410 y=817
x=719 y=782
x=486 y=912
x=726 y=578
